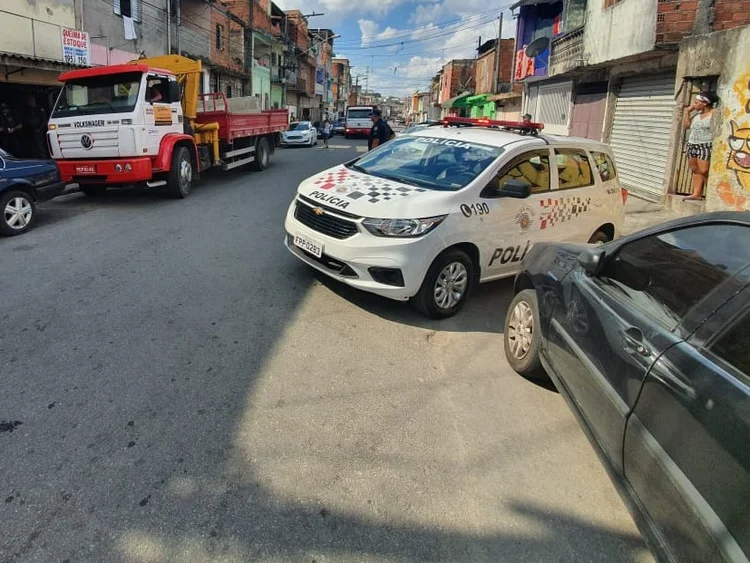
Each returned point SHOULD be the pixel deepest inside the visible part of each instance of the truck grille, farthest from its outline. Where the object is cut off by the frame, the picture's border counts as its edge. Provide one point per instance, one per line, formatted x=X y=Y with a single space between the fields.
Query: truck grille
x=326 y=223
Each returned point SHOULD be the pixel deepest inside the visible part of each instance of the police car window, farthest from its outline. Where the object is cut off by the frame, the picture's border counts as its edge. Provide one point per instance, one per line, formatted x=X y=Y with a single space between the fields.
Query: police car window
x=531 y=168
x=605 y=166
x=573 y=169
x=429 y=162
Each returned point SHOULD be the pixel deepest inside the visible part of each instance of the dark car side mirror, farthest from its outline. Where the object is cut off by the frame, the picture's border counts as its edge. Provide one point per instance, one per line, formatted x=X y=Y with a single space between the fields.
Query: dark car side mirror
x=514 y=188
x=592 y=260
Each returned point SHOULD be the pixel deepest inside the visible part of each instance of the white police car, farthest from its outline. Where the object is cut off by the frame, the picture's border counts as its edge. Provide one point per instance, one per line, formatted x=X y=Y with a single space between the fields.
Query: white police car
x=427 y=216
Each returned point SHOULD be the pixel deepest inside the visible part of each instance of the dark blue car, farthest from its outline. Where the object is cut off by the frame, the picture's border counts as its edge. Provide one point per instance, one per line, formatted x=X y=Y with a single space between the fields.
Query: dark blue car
x=23 y=183
x=648 y=339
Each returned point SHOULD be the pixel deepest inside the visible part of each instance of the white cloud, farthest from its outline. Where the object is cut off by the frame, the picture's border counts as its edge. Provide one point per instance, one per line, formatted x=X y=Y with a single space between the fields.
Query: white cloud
x=427 y=13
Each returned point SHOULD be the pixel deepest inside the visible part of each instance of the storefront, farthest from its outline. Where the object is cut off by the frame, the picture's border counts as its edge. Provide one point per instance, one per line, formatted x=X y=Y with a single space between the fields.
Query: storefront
x=641 y=132
x=457 y=107
x=24 y=78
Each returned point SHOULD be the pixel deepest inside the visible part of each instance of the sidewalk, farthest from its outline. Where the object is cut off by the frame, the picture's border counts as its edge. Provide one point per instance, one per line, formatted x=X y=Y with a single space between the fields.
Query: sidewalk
x=640 y=214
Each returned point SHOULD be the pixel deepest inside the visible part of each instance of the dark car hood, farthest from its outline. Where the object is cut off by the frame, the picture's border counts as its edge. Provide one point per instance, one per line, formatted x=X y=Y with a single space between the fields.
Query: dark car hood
x=555 y=259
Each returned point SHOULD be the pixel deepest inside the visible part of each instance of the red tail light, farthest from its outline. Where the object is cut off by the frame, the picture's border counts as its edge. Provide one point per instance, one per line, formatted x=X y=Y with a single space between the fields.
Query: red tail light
x=624 y=194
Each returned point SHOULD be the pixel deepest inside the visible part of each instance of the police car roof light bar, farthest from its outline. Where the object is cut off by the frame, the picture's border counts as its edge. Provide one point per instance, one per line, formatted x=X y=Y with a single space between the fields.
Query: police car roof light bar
x=522 y=127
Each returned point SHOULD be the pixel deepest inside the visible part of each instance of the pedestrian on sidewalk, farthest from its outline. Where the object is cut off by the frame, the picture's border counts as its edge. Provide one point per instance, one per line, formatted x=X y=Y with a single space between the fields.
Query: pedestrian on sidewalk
x=696 y=120
x=326 y=133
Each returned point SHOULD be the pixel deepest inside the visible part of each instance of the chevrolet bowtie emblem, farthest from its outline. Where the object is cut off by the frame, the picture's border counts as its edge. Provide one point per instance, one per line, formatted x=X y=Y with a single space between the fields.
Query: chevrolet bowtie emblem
x=318 y=211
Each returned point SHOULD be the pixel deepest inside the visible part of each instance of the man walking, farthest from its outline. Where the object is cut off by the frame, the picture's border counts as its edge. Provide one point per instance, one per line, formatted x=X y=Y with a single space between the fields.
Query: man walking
x=380 y=131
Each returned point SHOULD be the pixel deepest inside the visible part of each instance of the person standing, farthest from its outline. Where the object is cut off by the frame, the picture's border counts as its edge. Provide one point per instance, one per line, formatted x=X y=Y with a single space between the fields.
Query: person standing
x=34 y=129
x=696 y=120
x=326 y=131
x=380 y=132
x=10 y=125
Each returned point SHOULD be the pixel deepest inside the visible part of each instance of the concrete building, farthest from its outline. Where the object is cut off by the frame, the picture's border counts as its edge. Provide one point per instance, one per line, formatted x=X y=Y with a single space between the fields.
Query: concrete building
x=494 y=97
x=588 y=73
x=323 y=50
x=456 y=85
x=300 y=87
x=341 y=84
x=32 y=51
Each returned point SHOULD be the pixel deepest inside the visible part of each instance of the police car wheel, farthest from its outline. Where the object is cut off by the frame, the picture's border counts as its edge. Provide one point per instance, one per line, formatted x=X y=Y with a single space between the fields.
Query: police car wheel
x=17 y=211
x=521 y=336
x=599 y=237
x=447 y=285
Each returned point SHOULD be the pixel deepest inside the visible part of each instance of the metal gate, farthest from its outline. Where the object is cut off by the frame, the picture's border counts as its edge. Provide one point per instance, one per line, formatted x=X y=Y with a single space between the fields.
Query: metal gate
x=550 y=104
x=641 y=133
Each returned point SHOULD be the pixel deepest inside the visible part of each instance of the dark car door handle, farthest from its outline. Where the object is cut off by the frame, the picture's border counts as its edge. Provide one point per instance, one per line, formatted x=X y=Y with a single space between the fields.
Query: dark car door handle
x=634 y=337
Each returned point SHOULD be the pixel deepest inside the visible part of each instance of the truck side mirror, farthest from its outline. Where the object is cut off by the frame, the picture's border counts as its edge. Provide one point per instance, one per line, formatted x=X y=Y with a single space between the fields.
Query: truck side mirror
x=174 y=91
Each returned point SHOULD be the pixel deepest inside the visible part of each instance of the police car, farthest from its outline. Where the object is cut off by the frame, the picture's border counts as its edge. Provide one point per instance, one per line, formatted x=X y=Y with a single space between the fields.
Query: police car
x=427 y=216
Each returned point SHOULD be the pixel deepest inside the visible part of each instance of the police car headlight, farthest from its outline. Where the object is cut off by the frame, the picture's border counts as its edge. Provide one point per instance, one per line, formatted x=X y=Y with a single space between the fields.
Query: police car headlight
x=402 y=227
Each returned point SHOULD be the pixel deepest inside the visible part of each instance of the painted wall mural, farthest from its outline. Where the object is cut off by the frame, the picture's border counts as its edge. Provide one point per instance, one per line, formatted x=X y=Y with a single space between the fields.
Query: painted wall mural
x=730 y=165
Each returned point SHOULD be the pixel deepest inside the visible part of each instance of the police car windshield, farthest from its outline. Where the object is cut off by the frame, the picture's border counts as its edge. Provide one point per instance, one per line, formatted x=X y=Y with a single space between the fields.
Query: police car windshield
x=117 y=93
x=430 y=162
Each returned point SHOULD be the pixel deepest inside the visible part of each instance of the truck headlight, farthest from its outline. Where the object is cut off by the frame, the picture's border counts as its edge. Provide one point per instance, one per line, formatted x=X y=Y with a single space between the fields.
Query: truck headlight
x=402 y=227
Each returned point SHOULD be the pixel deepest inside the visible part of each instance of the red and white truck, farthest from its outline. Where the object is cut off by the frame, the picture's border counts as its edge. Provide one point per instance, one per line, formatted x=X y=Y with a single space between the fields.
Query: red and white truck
x=146 y=123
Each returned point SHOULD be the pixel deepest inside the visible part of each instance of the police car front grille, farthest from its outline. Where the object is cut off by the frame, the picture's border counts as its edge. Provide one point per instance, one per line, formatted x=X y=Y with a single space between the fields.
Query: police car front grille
x=324 y=223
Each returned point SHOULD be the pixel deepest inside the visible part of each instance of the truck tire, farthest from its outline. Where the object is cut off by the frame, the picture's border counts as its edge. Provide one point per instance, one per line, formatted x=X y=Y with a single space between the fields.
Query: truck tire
x=261 y=155
x=17 y=212
x=180 y=178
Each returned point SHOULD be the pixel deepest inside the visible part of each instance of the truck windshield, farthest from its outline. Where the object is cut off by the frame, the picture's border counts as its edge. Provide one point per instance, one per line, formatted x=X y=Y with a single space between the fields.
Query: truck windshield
x=433 y=163
x=363 y=113
x=117 y=93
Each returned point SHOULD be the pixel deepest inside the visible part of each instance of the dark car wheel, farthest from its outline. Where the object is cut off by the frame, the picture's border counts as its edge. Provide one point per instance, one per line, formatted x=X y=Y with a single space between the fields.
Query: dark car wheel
x=447 y=285
x=522 y=337
x=18 y=212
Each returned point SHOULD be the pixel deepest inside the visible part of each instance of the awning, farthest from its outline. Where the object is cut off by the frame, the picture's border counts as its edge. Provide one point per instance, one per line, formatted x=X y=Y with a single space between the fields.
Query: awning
x=478 y=100
x=457 y=102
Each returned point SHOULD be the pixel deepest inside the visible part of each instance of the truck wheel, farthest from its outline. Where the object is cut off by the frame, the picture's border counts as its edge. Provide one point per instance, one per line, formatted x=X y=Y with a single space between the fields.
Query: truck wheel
x=93 y=190
x=447 y=285
x=261 y=155
x=180 y=178
x=18 y=212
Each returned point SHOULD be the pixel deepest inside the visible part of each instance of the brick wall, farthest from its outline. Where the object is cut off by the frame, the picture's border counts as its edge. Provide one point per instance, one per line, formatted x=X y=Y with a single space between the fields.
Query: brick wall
x=261 y=20
x=674 y=20
x=228 y=44
x=729 y=14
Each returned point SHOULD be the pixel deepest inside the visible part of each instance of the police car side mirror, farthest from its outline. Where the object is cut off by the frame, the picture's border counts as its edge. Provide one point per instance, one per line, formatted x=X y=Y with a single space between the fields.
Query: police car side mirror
x=514 y=188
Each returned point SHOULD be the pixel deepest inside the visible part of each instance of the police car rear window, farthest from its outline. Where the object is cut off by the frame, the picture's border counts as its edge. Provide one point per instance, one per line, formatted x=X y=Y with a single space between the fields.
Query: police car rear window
x=430 y=162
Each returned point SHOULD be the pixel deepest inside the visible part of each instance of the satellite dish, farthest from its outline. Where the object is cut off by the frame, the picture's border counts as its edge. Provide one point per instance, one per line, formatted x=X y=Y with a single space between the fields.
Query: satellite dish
x=537 y=46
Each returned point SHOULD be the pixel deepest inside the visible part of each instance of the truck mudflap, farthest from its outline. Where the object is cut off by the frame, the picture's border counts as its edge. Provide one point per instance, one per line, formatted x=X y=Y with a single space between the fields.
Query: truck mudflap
x=106 y=171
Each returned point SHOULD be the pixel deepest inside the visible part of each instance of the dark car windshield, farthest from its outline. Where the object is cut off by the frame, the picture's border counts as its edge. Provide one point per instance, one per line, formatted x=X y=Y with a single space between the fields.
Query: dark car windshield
x=430 y=162
x=299 y=127
x=117 y=93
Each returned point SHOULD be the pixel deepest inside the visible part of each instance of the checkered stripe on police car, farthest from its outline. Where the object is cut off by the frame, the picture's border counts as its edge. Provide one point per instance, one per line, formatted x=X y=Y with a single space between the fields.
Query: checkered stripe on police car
x=561 y=209
x=357 y=186
x=375 y=192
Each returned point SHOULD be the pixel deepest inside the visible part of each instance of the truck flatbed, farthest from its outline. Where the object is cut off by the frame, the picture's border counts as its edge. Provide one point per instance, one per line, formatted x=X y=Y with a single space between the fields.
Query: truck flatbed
x=237 y=118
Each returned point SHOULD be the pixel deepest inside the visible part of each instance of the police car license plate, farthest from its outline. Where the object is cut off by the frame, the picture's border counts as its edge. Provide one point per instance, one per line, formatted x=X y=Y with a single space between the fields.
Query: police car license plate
x=308 y=245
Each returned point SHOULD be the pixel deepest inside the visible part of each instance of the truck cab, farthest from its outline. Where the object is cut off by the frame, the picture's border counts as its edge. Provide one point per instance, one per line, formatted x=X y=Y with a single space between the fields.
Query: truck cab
x=109 y=123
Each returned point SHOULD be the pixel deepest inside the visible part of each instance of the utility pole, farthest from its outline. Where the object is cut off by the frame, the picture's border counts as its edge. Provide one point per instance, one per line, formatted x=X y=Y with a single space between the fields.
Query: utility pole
x=179 y=23
x=169 y=27
x=496 y=70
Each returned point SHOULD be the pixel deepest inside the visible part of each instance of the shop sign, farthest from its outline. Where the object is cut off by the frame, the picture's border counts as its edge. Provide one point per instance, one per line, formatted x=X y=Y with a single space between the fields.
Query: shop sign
x=76 y=47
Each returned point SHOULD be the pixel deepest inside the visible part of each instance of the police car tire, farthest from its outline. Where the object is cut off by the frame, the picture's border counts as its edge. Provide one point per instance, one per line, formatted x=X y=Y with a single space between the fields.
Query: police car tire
x=599 y=237
x=424 y=300
x=530 y=365
x=6 y=197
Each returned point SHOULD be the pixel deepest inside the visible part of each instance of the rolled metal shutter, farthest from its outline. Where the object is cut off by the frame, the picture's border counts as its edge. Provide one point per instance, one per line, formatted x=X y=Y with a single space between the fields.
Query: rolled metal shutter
x=641 y=133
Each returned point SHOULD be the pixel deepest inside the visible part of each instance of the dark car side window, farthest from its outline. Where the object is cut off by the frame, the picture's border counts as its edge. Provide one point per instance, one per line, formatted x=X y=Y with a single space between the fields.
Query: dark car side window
x=531 y=168
x=667 y=274
x=733 y=346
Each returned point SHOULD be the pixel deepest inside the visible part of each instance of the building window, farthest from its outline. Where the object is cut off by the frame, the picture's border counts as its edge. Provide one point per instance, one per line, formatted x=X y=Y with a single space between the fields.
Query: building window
x=229 y=90
x=219 y=37
x=128 y=8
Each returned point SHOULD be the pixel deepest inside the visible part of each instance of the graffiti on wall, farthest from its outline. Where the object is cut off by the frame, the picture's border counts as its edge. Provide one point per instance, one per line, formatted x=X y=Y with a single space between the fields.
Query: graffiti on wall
x=730 y=165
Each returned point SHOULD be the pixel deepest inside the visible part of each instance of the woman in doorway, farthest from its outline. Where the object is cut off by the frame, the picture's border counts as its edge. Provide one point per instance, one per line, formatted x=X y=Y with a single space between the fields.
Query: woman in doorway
x=697 y=121
x=326 y=128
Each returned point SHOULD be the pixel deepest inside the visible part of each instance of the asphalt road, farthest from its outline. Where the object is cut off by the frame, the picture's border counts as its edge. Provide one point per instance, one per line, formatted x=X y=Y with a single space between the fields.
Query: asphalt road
x=188 y=391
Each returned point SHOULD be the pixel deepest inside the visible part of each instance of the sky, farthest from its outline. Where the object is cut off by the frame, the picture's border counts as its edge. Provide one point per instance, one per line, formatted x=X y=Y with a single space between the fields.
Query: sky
x=396 y=46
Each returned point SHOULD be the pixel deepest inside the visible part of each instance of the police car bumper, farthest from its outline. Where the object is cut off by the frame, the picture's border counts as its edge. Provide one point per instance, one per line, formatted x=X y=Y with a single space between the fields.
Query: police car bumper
x=389 y=267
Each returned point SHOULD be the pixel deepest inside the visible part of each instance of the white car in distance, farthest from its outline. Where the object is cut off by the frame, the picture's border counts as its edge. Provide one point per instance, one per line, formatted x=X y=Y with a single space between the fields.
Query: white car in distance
x=427 y=216
x=300 y=133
